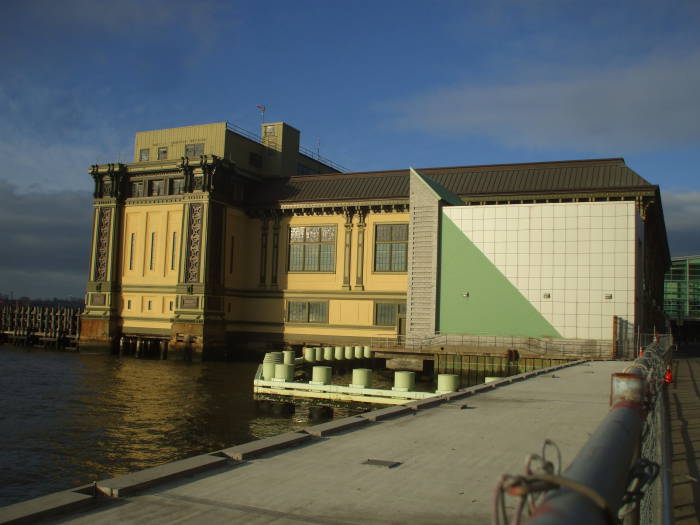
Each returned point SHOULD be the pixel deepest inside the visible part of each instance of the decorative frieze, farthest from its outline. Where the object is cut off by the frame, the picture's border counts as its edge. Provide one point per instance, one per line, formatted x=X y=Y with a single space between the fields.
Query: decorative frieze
x=194 y=243
x=104 y=226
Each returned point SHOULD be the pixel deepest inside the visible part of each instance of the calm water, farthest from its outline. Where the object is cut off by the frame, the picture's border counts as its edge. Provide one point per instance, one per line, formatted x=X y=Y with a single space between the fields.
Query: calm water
x=68 y=419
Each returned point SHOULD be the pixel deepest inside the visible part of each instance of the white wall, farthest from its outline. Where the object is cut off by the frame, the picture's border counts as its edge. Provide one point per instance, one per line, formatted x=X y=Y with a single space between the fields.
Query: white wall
x=579 y=253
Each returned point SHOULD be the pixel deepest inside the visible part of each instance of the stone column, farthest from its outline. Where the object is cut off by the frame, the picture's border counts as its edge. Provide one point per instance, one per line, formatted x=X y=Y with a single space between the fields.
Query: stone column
x=361 y=226
x=348 y=212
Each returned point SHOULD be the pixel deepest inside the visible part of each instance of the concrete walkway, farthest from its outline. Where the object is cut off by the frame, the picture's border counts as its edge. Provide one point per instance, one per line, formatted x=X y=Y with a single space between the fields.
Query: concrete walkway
x=449 y=458
x=684 y=400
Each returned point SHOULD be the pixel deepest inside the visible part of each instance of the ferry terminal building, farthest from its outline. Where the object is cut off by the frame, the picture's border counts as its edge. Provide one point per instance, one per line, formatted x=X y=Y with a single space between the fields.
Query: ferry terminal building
x=215 y=240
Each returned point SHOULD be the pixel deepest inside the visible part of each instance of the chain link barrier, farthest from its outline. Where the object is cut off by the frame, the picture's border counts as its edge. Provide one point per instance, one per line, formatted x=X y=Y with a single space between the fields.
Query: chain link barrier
x=645 y=486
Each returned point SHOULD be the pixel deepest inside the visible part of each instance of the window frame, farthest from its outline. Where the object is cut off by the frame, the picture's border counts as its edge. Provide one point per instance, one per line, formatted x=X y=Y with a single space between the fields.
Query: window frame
x=376 y=242
x=307 y=312
x=144 y=154
x=319 y=243
x=396 y=313
x=162 y=153
x=195 y=146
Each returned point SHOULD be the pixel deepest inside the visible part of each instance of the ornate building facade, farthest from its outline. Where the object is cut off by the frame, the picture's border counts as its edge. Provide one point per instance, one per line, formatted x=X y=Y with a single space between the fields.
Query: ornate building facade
x=214 y=239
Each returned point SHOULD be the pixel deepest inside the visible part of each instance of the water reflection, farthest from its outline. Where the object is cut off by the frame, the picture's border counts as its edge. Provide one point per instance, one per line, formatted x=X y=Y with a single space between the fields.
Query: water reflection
x=69 y=419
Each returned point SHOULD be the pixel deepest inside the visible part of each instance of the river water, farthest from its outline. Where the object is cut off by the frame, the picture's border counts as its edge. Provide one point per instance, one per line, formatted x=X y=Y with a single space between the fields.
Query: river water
x=67 y=419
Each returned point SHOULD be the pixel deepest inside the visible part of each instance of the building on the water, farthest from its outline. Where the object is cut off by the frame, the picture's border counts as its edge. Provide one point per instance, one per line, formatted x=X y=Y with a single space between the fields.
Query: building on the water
x=682 y=297
x=215 y=239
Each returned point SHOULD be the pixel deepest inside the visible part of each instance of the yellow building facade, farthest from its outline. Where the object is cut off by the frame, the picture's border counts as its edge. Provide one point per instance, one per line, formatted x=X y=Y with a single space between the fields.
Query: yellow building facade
x=183 y=254
x=214 y=240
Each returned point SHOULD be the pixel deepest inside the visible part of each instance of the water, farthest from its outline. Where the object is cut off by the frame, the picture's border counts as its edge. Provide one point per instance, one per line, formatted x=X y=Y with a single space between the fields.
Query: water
x=67 y=419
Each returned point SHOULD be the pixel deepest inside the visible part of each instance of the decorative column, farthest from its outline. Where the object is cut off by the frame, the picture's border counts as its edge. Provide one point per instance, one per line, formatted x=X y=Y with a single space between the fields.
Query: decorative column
x=194 y=243
x=348 y=212
x=275 y=248
x=361 y=226
x=100 y=320
x=264 y=221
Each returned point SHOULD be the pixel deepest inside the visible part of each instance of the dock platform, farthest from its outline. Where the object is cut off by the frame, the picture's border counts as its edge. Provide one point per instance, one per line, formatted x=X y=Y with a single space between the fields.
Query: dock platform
x=423 y=462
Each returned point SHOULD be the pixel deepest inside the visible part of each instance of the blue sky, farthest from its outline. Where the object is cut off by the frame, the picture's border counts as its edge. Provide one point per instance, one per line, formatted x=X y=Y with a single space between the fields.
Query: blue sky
x=381 y=84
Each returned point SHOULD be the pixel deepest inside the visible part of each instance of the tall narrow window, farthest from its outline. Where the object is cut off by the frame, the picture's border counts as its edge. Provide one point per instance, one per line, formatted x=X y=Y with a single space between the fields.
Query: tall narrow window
x=162 y=153
x=172 y=254
x=230 y=260
x=390 y=247
x=144 y=154
x=153 y=251
x=132 y=245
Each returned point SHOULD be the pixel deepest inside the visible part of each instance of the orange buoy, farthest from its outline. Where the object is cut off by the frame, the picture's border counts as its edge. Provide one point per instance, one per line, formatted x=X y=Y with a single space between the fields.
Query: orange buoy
x=668 y=376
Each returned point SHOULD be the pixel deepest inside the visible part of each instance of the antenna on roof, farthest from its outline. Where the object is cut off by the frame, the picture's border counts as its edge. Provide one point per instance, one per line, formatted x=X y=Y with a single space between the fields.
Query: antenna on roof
x=262 y=112
x=318 y=148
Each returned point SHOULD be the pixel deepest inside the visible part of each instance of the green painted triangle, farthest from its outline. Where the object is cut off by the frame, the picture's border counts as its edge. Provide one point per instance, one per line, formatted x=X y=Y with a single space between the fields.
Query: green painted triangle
x=494 y=305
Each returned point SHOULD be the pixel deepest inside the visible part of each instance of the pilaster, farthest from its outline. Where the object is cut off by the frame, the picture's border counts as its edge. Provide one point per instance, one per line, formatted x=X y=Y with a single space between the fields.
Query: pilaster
x=348 y=212
x=361 y=227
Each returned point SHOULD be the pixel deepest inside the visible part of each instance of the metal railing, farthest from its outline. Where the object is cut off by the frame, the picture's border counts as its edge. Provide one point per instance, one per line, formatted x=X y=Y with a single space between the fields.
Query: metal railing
x=615 y=475
x=315 y=155
x=438 y=343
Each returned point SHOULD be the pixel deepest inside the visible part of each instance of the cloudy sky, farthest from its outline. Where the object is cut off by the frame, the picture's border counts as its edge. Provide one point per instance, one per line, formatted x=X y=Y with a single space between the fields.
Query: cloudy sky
x=381 y=84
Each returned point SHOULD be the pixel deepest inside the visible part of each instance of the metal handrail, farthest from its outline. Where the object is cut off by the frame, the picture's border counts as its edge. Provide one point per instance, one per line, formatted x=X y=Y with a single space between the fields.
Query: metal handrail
x=304 y=151
x=603 y=464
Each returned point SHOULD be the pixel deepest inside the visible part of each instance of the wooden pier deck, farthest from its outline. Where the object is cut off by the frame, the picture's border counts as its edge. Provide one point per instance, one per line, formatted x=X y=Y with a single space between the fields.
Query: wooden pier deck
x=438 y=461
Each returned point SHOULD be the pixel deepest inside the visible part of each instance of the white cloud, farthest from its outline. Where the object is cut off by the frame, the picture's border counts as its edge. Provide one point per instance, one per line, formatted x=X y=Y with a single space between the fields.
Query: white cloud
x=651 y=105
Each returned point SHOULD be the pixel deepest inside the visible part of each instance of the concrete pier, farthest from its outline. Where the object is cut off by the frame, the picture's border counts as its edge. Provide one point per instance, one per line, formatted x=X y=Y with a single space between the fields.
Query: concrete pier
x=435 y=460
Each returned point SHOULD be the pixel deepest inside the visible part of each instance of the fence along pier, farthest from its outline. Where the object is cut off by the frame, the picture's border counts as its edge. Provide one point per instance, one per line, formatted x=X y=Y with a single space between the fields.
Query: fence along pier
x=49 y=326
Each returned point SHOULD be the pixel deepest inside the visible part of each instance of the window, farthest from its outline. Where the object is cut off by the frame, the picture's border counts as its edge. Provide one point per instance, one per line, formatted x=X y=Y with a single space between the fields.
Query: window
x=255 y=160
x=132 y=245
x=307 y=312
x=137 y=189
x=170 y=306
x=149 y=304
x=153 y=251
x=194 y=150
x=230 y=260
x=390 y=247
x=173 y=252
x=155 y=188
x=128 y=304
x=269 y=130
x=312 y=248
x=386 y=314
x=177 y=186
x=162 y=153
x=144 y=154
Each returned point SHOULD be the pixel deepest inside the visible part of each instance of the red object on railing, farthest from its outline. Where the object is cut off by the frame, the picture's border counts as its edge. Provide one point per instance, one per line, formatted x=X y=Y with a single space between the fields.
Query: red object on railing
x=641 y=351
x=668 y=376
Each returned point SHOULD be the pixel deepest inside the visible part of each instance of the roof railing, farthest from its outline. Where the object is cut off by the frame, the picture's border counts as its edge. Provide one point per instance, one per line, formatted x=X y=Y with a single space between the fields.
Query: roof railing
x=304 y=151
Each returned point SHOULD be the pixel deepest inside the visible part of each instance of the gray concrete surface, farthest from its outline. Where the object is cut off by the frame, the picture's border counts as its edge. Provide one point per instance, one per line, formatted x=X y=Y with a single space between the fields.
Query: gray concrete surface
x=451 y=457
x=684 y=401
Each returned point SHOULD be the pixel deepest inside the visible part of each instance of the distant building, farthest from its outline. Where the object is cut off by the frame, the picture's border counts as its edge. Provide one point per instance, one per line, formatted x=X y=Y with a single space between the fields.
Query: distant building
x=682 y=297
x=216 y=239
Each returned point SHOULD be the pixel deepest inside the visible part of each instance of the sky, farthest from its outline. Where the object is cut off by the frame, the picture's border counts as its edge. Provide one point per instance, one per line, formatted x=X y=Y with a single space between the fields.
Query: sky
x=379 y=84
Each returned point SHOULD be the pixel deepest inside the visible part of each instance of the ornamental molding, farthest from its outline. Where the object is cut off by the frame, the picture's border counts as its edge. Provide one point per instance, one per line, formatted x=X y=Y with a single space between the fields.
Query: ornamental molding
x=194 y=243
x=104 y=224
